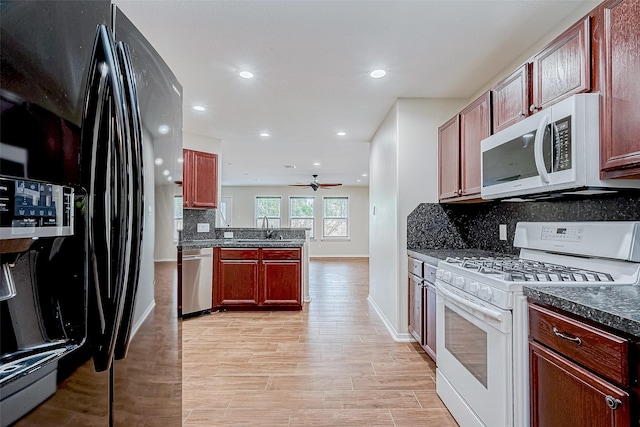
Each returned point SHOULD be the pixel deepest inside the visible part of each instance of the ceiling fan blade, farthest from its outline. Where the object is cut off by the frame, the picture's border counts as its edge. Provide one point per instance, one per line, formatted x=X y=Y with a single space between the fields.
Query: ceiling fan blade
x=299 y=185
x=329 y=185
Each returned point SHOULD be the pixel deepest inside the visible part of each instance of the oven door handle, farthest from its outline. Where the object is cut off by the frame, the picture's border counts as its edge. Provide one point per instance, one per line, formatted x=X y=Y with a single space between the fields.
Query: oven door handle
x=495 y=315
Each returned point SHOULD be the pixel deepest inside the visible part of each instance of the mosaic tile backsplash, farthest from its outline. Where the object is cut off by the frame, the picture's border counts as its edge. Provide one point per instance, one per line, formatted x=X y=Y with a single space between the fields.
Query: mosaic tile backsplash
x=475 y=225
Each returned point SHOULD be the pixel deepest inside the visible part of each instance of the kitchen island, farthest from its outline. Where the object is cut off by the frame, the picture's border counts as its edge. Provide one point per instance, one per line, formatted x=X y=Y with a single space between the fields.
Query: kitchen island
x=252 y=267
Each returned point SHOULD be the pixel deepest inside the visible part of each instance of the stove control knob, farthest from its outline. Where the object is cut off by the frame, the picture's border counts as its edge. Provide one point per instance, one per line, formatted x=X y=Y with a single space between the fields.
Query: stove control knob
x=458 y=282
x=446 y=276
x=485 y=293
x=474 y=287
x=439 y=273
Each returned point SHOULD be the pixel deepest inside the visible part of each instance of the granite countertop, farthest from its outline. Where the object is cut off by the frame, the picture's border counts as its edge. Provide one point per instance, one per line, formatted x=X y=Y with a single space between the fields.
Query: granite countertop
x=615 y=306
x=432 y=256
x=241 y=243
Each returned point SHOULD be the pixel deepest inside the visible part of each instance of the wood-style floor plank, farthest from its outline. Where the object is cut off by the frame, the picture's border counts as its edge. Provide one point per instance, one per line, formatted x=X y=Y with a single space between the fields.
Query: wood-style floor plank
x=331 y=364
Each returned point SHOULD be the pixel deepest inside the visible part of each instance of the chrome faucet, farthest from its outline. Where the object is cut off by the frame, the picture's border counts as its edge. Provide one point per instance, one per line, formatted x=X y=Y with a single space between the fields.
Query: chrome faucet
x=265 y=222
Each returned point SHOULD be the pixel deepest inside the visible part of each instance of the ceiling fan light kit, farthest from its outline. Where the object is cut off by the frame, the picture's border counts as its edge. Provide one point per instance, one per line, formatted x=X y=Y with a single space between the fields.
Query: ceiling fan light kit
x=315 y=184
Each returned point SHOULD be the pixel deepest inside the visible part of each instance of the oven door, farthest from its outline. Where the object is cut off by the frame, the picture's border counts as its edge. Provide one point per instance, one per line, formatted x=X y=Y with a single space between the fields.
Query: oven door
x=474 y=347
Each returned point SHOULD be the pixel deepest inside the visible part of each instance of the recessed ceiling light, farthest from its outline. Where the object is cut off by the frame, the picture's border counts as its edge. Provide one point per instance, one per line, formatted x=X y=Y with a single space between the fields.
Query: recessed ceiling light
x=316 y=164
x=246 y=74
x=376 y=74
x=163 y=129
x=158 y=161
x=169 y=178
x=180 y=160
x=358 y=180
x=165 y=172
x=364 y=174
x=265 y=134
x=198 y=108
x=341 y=133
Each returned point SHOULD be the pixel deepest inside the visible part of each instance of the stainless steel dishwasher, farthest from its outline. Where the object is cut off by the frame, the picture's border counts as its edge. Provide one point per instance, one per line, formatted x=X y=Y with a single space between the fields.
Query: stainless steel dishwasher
x=197 y=280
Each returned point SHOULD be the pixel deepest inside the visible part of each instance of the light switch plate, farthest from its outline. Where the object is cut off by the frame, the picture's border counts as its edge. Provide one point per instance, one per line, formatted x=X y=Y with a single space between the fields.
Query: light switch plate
x=203 y=227
x=228 y=234
x=503 y=231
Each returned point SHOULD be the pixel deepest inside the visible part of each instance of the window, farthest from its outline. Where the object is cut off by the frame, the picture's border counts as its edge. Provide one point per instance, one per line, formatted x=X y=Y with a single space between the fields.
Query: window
x=225 y=218
x=177 y=216
x=336 y=217
x=301 y=213
x=268 y=207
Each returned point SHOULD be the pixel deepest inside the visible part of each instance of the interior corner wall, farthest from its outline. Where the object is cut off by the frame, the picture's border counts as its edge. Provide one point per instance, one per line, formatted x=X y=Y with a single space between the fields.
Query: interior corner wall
x=243 y=215
x=165 y=246
x=383 y=221
x=403 y=172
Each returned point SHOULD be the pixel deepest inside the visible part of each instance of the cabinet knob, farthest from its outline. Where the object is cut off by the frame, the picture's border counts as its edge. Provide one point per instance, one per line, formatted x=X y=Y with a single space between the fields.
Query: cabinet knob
x=533 y=108
x=612 y=402
x=522 y=114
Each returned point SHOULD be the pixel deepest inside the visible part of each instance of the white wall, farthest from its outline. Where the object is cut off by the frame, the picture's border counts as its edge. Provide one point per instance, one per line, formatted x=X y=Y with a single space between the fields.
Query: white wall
x=145 y=295
x=403 y=172
x=243 y=201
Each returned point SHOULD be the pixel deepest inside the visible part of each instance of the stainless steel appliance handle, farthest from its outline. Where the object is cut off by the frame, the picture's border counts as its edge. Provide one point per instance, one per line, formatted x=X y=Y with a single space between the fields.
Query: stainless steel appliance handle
x=135 y=205
x=104 y=135
x=469 y=304
x=538 y=147
x=191 y=257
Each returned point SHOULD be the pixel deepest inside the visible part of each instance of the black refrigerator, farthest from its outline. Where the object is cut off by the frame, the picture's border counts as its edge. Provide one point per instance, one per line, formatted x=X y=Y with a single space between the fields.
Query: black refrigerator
x=83 y=95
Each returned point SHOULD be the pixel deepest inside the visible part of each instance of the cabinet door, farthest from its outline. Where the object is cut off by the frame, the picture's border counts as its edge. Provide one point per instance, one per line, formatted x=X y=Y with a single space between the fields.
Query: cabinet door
x=618 y=31
x=510 y=99
x=282 y=282
x=200 y=179
x=564 y=394
x=449 y=159
x=430 y=322
x=563 y=68
x=475 y=125
x=416 y=319
x=236 y=283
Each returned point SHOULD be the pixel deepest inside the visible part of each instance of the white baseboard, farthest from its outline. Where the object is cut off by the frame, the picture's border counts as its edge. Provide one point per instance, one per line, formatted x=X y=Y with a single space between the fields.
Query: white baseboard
x=144 y=316
x=166 y=260
x=395 y=335
x=338 y=256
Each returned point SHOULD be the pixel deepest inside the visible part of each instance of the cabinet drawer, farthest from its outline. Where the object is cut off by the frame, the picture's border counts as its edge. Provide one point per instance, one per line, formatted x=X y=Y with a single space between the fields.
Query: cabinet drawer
x=238 y=253
x=281 y=253
x=415 y=267
x=600 y=351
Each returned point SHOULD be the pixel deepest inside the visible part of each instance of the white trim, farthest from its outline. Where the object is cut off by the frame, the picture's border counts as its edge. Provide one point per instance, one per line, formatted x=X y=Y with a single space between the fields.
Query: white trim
x=348 y=218
x=339 y=256
x=312 y=218
x=166 y=260
x=144 y=316
x=395 y=335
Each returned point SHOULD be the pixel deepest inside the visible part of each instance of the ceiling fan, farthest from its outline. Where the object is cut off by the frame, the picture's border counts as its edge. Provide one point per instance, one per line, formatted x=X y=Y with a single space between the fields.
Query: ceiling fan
x=315 y=184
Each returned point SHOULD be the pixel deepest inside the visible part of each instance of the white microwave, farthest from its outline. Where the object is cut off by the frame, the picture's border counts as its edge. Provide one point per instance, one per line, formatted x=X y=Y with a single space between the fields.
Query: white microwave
x=554 y=151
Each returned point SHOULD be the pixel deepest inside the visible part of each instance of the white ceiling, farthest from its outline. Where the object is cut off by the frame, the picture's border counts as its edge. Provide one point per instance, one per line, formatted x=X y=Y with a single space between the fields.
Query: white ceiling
x=311 y=61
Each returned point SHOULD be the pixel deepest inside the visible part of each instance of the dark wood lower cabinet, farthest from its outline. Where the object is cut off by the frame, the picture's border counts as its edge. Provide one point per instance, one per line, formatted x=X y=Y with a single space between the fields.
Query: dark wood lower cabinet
x=257 y=277
x=565 y=394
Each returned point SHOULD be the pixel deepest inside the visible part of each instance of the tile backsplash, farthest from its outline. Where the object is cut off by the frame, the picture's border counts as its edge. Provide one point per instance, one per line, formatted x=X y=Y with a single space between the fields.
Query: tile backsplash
x=190 y=220
x=476 y=225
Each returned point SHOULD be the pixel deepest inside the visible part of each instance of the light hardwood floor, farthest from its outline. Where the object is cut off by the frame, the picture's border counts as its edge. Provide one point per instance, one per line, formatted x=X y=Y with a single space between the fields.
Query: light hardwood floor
x=332 y=364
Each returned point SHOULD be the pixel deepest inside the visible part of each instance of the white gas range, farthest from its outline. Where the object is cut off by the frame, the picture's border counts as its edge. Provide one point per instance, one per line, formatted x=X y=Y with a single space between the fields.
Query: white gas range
x=482 y=325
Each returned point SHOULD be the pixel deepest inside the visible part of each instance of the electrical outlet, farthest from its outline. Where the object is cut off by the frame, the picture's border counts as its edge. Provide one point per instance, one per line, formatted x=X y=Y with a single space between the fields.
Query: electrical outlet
x=228 y=234
x=203 y=227
x=503 y=231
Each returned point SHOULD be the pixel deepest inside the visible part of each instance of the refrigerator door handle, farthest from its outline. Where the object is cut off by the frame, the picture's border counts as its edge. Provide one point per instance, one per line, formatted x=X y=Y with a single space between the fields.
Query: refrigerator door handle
x=104 y=135
x=136 y=198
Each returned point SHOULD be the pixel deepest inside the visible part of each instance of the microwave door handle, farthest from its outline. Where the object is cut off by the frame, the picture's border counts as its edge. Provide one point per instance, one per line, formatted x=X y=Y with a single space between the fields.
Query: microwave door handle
x=537 y=150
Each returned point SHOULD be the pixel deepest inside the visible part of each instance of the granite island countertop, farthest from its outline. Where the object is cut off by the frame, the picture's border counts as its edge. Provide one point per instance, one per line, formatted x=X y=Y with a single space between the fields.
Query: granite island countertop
x=241 y=243
x=615 y=306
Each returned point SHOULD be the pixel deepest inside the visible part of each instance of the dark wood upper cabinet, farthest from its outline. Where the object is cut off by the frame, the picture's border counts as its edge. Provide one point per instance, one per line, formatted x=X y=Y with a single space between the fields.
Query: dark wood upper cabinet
x=475 y=125
x=563 y=68
x=510 y=98
x=617 y=38
x=449 y=159
x=199 y=183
